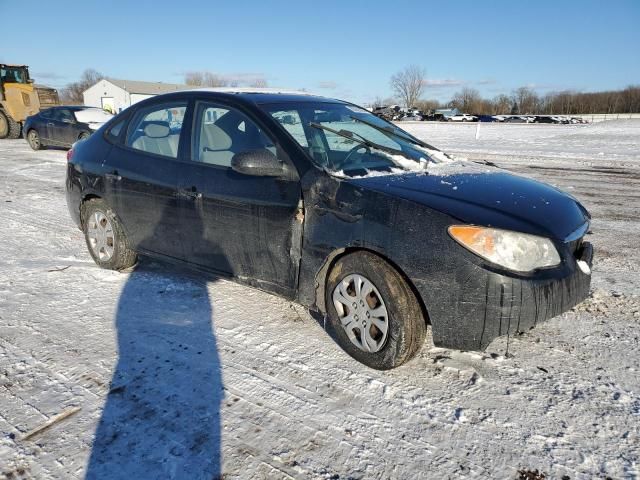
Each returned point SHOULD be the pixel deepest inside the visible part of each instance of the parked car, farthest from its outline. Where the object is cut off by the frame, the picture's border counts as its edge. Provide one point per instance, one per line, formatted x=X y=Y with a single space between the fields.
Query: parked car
x=62 y=126
x=435 y=117
x=486 y=118
x=515 y=119
x=545 y=119
x=328 y=210
x=411 y=118
x=463 y=117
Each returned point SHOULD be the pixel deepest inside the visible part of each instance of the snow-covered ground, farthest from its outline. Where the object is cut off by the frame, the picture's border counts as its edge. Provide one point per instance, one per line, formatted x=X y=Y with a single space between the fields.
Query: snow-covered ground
x=172 y=375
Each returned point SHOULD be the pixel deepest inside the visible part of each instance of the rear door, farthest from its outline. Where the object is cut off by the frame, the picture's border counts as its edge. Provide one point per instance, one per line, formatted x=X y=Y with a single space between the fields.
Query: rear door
x=236 y=224
x=142 y=174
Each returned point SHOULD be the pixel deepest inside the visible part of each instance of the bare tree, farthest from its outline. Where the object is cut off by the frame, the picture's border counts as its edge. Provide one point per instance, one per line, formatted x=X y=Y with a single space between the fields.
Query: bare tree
x=526 y=99
x=501 y=105
x=427 y=106
x=259 y=83
x=72 y=93
x=467 y=100
x=408 y=84
x=206 y=79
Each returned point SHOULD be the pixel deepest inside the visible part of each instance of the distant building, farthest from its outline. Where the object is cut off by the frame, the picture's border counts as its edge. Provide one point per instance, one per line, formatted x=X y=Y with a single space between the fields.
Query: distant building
x=116 y=95
x=448 y=112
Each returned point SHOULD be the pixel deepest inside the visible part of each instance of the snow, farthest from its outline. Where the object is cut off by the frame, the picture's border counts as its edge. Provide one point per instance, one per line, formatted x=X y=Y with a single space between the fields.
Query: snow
x=207 y=376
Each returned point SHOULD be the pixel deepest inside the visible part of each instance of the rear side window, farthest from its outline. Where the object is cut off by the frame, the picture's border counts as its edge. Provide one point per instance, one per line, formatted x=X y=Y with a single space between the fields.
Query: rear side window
x=114 y=131
x=156 y=129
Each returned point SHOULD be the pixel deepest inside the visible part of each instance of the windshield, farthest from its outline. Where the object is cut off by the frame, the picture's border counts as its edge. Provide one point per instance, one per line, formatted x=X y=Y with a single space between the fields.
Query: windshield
x=92 y=115
x=14 y=75
x=348 y=140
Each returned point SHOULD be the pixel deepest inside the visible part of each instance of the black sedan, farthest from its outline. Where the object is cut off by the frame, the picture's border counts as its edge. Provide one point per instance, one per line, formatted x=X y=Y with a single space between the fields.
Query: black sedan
x=63 y=126
x=325 y=204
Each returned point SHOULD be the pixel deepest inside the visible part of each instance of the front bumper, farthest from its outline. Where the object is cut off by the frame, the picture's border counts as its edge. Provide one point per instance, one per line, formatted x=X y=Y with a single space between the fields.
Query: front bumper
x=486 y=304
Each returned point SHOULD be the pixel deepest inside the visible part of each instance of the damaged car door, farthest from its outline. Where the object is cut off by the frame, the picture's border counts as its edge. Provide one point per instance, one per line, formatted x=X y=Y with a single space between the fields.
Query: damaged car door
x=241 y=201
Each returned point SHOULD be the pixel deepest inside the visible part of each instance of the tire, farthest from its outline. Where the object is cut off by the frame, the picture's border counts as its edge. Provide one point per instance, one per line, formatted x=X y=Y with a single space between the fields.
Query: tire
x=406 y=326
x=33 y=139
x=105 y=237
x=9 y=128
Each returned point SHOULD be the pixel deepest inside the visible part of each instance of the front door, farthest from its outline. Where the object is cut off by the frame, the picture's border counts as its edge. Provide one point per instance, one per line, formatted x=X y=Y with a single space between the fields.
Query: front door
x=236 y=224
x=60 y=127
x=143 y=174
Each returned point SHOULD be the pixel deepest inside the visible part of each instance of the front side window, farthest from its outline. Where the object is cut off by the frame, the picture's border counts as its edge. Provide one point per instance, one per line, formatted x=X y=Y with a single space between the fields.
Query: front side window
x=65 y=115
x=156 y=129
x=349 y=140
x=221 y=132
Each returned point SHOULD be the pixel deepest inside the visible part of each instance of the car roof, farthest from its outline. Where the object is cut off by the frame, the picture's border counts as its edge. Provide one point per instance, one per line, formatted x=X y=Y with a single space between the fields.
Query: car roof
x=73 y=108
x=265 y=95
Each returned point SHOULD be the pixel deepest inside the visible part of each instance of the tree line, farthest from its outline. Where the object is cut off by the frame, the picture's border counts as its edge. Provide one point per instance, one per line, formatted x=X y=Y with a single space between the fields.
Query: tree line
x=408 y=86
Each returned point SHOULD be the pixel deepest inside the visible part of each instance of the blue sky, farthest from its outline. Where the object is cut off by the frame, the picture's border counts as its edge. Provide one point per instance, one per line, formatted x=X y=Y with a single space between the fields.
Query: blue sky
x=345 y=49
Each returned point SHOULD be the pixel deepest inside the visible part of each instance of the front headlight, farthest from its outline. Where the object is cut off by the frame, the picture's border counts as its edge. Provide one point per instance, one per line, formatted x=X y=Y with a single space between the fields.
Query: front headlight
x=516 y=251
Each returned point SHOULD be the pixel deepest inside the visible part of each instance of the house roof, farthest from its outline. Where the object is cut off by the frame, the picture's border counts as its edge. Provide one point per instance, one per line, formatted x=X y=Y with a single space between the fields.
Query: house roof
x=147 y=88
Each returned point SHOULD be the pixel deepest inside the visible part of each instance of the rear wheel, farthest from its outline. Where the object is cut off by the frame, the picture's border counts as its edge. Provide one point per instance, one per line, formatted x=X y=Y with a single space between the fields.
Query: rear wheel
x=105 y=236
x=373 y=313
x=9 y=128
x=33 y=138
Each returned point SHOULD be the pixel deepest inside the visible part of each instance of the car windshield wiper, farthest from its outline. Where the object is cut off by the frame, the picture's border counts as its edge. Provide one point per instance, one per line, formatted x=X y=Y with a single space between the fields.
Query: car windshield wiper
x=410 y=139
x=363 y=141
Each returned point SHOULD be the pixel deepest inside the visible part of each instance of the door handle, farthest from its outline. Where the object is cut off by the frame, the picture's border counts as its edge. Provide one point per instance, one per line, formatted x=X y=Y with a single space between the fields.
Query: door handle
x=50 y=124
x=113 y=176
x=189 y=193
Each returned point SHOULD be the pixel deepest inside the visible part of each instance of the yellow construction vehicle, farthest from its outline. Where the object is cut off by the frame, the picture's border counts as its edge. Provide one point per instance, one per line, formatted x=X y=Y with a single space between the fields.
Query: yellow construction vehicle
x=19 y=98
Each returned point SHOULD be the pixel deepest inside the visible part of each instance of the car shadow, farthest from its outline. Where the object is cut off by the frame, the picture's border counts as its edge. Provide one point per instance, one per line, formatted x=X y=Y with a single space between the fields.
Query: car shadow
x=161 y=418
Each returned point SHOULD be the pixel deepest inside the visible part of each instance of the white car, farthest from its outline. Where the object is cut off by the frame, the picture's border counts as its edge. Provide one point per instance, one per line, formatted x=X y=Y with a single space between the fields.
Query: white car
x=463 y=117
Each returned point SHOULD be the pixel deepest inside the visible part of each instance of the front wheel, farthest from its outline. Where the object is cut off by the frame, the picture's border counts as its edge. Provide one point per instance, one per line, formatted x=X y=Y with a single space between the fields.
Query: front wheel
x=373 y=313
x=9 y=128
x=33 y=138
x=105 y=237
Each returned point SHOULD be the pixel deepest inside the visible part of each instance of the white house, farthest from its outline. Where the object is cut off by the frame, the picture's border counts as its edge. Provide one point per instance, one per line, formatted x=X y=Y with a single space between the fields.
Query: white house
x=116 y=95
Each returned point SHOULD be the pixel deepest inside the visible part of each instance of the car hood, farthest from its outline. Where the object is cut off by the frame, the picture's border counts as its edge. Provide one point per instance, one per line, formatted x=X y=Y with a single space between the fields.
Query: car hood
x=488 y=197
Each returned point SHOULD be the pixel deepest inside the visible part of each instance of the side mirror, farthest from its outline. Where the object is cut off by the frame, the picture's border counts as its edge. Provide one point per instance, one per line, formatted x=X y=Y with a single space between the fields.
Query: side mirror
x=260 y=163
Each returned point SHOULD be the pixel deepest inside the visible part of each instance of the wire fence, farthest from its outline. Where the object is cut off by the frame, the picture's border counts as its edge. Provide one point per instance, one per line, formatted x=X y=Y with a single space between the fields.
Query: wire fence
x=601 y=117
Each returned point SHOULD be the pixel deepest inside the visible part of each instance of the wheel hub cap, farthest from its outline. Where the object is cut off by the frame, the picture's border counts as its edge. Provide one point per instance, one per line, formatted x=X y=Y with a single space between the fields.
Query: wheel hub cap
x=362 y=312
x=101 y=236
